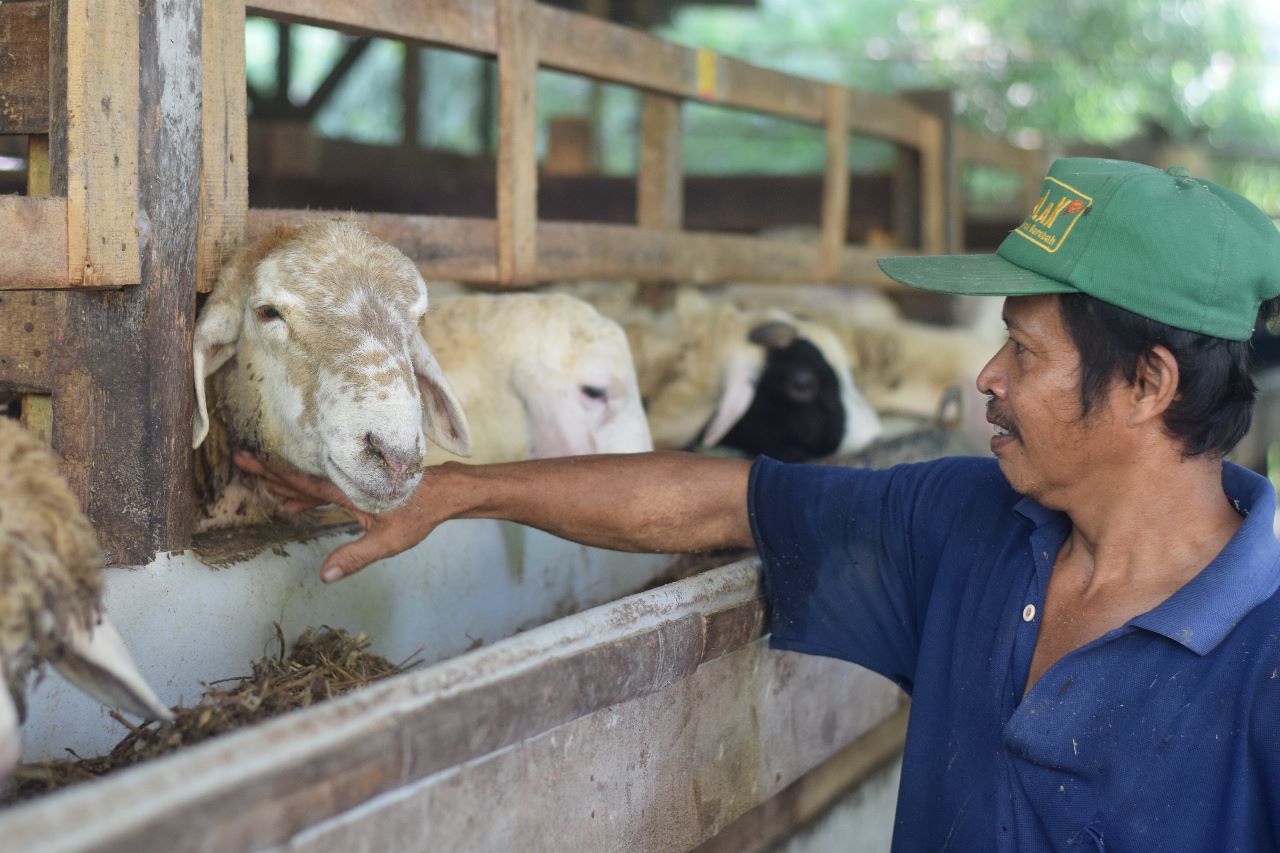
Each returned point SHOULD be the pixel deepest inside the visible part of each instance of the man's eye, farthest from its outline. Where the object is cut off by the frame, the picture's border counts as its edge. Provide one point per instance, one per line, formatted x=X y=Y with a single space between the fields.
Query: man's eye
x=268 y=312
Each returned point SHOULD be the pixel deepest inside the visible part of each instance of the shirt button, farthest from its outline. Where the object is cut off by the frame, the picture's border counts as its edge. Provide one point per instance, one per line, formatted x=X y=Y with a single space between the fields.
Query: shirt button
x=1028 y=613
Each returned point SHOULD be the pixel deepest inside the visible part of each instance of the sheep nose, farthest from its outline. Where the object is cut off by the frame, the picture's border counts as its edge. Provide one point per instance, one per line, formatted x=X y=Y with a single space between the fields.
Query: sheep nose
x=400 y=464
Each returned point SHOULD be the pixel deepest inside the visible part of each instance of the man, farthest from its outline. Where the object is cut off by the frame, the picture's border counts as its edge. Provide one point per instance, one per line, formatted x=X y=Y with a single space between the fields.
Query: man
x=1087 y=624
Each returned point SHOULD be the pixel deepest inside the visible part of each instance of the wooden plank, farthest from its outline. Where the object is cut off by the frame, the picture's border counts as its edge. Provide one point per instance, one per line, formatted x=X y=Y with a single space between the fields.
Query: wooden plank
x=38 y=166
x=122 y=392
x=800 y=803
x=835 y=188
x=102 y=57
x=444 y=247
x=224 y=170
x=26 y=333
x=938 y=103
x=934 y=195
x=24 y=67
x=464 y=24
x=660 y=182
x=464 y=249
x=605 y=51
x=37 y=415
x=660 y=174
x=886 y=117
x=517 y=141
x=33 y=242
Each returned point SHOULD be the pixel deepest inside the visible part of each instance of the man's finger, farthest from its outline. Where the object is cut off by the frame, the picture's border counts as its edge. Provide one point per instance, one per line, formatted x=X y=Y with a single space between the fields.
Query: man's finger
x=351 y=558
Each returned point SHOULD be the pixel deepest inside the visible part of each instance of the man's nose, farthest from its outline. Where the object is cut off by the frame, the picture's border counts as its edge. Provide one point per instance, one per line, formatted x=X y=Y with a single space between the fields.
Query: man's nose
x=991 y=378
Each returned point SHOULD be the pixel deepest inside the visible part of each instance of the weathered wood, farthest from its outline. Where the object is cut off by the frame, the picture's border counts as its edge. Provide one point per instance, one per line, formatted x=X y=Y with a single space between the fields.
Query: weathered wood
x=660 y=173
x=937 y=103
x=102 y=61
x=886 y=117
x=37 y=415
x=660 y=182
x=26 y=333
x=443 y=247
x=462 y=249
x=224 y=171
x=605 y=51
x=122 y=391
x=835 y=188
x=33 y=242
x=517 y=141
x=619 y=699
x=38 y=165
x=24 y=67
x=780 y=817
x=934 y=196
x=465 y=24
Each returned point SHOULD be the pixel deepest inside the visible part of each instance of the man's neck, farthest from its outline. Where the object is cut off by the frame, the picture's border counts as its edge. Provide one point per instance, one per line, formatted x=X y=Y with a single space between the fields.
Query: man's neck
x=1156 y=522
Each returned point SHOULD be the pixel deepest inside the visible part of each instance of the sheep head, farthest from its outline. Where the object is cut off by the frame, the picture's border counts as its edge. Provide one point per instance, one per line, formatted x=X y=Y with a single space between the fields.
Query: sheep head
x=311 y=337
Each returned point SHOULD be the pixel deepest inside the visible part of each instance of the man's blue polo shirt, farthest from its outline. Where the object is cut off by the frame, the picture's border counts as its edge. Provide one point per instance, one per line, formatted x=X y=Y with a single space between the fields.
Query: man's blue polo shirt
x=1162 y=735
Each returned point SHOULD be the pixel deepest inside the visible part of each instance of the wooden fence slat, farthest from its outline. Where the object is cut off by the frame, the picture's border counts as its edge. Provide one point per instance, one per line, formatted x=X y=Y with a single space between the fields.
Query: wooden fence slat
x=464 y=24
x=835 y=189
x=934 y=195
x=102 y=57
x=26 y=329
x=224 y=178
x=24 y=68
x=660 y=176
x=122 y=392
x=886 y=117
x=517 y=141
x=464 y=249
x=33 y=254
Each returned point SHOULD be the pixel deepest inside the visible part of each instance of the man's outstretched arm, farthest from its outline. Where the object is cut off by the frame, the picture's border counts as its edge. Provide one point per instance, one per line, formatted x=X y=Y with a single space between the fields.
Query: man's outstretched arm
x=662 y=502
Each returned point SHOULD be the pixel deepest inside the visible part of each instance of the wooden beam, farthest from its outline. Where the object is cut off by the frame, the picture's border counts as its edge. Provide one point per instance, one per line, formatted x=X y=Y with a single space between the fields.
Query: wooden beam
x=102 y=57
x=835 y=188
x=24 y=67
x=517 y=141
x=464 y=249
x=934 y=189
x=224 y=162
x=464 y=24
x=122 y=393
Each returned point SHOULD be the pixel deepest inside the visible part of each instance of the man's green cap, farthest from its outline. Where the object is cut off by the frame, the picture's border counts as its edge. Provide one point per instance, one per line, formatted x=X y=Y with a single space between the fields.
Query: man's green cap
x=1176 y=249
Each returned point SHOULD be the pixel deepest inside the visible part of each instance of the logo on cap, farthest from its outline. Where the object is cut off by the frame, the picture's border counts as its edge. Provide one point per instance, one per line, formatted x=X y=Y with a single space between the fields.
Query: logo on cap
x=1056 y=212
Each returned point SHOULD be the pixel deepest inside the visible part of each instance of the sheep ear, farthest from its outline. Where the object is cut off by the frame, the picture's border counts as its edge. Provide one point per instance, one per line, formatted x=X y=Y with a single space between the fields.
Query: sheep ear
x=443 y=420
x=97 y=661
x=10 y=734
x=773 y=335
x=217 y=331
x=737 y=391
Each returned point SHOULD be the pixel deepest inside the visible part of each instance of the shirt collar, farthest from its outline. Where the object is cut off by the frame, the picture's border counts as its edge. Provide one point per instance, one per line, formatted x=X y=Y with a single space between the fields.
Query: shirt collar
x=1246 y=572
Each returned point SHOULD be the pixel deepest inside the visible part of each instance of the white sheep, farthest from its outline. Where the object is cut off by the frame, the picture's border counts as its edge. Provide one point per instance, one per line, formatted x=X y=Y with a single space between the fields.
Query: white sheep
x=701 y=368
x=539 y=375
x=311 y=348
x=50 y=607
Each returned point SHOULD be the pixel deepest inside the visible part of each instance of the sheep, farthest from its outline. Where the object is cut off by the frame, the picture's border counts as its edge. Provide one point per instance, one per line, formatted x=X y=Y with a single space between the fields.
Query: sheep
x=310 y=345
x=50 y=610
x=539 y=375
x=706 y=366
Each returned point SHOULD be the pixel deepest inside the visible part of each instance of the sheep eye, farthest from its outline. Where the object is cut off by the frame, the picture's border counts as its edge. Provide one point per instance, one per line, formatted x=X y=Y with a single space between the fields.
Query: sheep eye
x=267 y=313
x=594 y=393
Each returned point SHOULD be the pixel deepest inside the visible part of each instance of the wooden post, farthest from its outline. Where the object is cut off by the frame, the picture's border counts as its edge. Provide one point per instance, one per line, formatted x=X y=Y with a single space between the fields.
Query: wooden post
x=37 y=409
x=660 y=181
x=517 y=141
x=411 y=95
x=122 y=387
x=835 y=189
x=224 y=170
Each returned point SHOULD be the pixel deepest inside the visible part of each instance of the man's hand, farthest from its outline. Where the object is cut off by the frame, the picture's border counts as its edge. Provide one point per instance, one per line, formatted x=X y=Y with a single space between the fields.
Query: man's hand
x=386 y=534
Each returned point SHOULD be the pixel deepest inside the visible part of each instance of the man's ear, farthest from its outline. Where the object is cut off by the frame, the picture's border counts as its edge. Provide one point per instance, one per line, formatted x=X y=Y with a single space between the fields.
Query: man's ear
x=1155 y=387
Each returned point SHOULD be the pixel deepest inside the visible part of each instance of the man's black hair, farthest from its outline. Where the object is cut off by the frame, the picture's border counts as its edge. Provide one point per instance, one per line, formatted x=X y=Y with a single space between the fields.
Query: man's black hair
x=1214 y=405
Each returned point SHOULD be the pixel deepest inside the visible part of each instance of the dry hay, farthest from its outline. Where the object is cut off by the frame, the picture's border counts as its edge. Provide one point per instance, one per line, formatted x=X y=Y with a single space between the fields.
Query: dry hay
x=321 y=666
